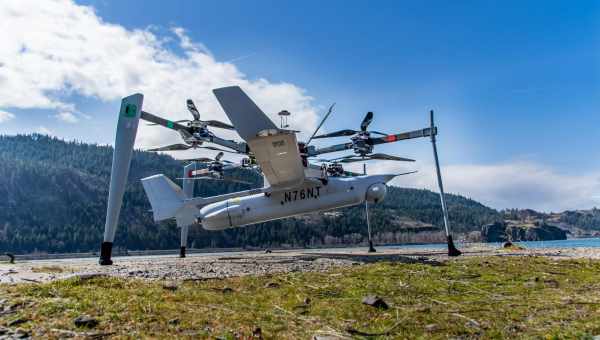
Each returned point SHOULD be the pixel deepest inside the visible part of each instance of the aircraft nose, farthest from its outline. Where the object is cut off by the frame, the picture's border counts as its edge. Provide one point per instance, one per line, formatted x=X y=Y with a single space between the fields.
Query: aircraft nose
x=376 y=192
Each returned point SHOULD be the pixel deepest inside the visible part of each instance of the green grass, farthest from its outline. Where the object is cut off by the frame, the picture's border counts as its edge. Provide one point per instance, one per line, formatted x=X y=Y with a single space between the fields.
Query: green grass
x=489 y=297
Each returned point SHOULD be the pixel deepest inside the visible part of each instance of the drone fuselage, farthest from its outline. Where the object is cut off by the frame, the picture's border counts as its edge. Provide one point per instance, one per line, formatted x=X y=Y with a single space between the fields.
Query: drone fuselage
x=312 y=196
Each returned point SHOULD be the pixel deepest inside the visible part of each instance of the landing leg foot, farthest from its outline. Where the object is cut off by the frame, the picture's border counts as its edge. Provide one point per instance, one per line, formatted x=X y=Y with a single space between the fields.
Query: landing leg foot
x=371 y=248
x=452 y=250
x=182 y=252
x=105 y=254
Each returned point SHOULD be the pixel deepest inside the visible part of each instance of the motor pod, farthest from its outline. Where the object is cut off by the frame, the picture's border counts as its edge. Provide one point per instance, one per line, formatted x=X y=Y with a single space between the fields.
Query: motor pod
x=221 y=215
x=376 y=192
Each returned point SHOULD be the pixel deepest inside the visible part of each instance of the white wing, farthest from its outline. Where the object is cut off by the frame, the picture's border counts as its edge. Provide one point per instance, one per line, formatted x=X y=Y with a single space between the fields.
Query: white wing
x=276 y=150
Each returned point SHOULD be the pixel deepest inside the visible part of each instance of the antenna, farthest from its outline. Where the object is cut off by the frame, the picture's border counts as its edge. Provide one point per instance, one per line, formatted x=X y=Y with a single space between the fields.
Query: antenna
x=321 y=123
x=452 y=250
x=283 y=115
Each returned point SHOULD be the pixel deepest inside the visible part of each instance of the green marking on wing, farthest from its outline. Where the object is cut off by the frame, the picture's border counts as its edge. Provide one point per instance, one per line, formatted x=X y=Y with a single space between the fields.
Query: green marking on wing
x=129 y=110
x=170 y=124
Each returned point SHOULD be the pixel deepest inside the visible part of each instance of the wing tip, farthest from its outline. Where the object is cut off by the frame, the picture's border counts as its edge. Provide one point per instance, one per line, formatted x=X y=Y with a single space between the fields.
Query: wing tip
x=226 y=88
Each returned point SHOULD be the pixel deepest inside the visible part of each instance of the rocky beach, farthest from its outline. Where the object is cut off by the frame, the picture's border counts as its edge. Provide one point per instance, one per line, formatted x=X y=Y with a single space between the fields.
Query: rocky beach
x=205 y=266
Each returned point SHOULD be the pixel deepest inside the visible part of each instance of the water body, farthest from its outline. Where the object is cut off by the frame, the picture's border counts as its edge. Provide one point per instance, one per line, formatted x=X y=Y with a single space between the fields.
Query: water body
x=441 y=247
x=570 y=243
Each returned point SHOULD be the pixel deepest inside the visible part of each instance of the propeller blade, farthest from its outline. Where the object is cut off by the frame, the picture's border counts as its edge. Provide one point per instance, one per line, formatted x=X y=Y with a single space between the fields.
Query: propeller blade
x=218 y=179
x=339 y=133
x=215 y=149
x=218 y=124
x=218 y=156
x=161 y=121
x=173 y=147
x=352 y=160
x=378 y=133
x=383 y=156
x=196 y=178
x=407 y=173
x=192 y=108
x=186 y=135
x=351 y=174
x=321 y=123
x=402 y=136
x=229 y=179
x=200 y=159
x=322 y=160
x=366 y=121
x=175 y=121
x=200 y=172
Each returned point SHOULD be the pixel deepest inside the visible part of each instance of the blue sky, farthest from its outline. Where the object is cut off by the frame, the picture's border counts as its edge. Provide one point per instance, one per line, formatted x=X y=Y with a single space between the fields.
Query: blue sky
x=519 y=80
x=513 y=83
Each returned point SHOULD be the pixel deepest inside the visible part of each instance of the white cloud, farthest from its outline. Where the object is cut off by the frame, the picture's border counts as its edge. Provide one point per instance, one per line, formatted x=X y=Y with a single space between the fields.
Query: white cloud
x=507 y=185
x=57 y=49
x=67 y=117
x=44 y=131
x=6 y=116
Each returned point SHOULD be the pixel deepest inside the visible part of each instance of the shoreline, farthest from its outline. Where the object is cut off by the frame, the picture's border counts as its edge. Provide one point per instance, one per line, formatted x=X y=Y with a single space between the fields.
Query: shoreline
x=168 y=252
x=219 y=265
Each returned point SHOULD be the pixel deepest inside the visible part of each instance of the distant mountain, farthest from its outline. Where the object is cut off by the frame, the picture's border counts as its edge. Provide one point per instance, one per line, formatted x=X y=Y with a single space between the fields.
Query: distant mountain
x=53 y=199
x=578 y=223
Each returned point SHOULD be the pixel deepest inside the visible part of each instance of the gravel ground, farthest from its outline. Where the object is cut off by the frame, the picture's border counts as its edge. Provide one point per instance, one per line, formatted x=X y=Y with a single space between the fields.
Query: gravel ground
x=211 y=266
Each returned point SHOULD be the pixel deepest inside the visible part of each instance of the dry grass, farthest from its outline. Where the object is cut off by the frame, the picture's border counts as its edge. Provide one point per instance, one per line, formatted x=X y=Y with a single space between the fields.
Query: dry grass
x=488 y=297
x=48 y=269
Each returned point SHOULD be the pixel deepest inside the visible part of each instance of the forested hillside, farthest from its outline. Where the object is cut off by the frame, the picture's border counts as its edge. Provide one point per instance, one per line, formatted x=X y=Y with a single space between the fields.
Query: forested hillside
x=53 y=199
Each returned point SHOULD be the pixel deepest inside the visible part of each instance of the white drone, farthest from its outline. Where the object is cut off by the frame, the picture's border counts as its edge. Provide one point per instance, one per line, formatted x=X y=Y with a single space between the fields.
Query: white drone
x=293 y=186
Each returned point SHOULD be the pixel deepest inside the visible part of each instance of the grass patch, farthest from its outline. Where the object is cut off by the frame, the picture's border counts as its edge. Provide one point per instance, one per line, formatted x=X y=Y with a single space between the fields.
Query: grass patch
x=491 y=297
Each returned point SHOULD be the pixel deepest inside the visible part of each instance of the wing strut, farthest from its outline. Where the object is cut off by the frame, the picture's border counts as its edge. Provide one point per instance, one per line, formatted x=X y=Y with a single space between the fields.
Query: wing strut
x=452 y=250
x=129 y=117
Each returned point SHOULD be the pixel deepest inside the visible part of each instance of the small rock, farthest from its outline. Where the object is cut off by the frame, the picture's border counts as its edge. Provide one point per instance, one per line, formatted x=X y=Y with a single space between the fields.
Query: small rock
x=3 y=330
x=172 y=286
x=85 y=321
x=174 y=322
x=17 y=322
x=375 y=301
x=268 y=251
x=326 y=337
x=257 y=333
x=272 y=285
x=507 y=244
x=551 y=283
x=432 y=327
x=227 y=290
x=20 y=333
x=472 y=324
x=307 y=301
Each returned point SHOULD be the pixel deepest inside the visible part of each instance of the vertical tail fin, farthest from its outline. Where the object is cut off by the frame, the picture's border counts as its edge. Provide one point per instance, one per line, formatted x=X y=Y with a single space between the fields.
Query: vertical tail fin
x=168 y=201
x=166 y=198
